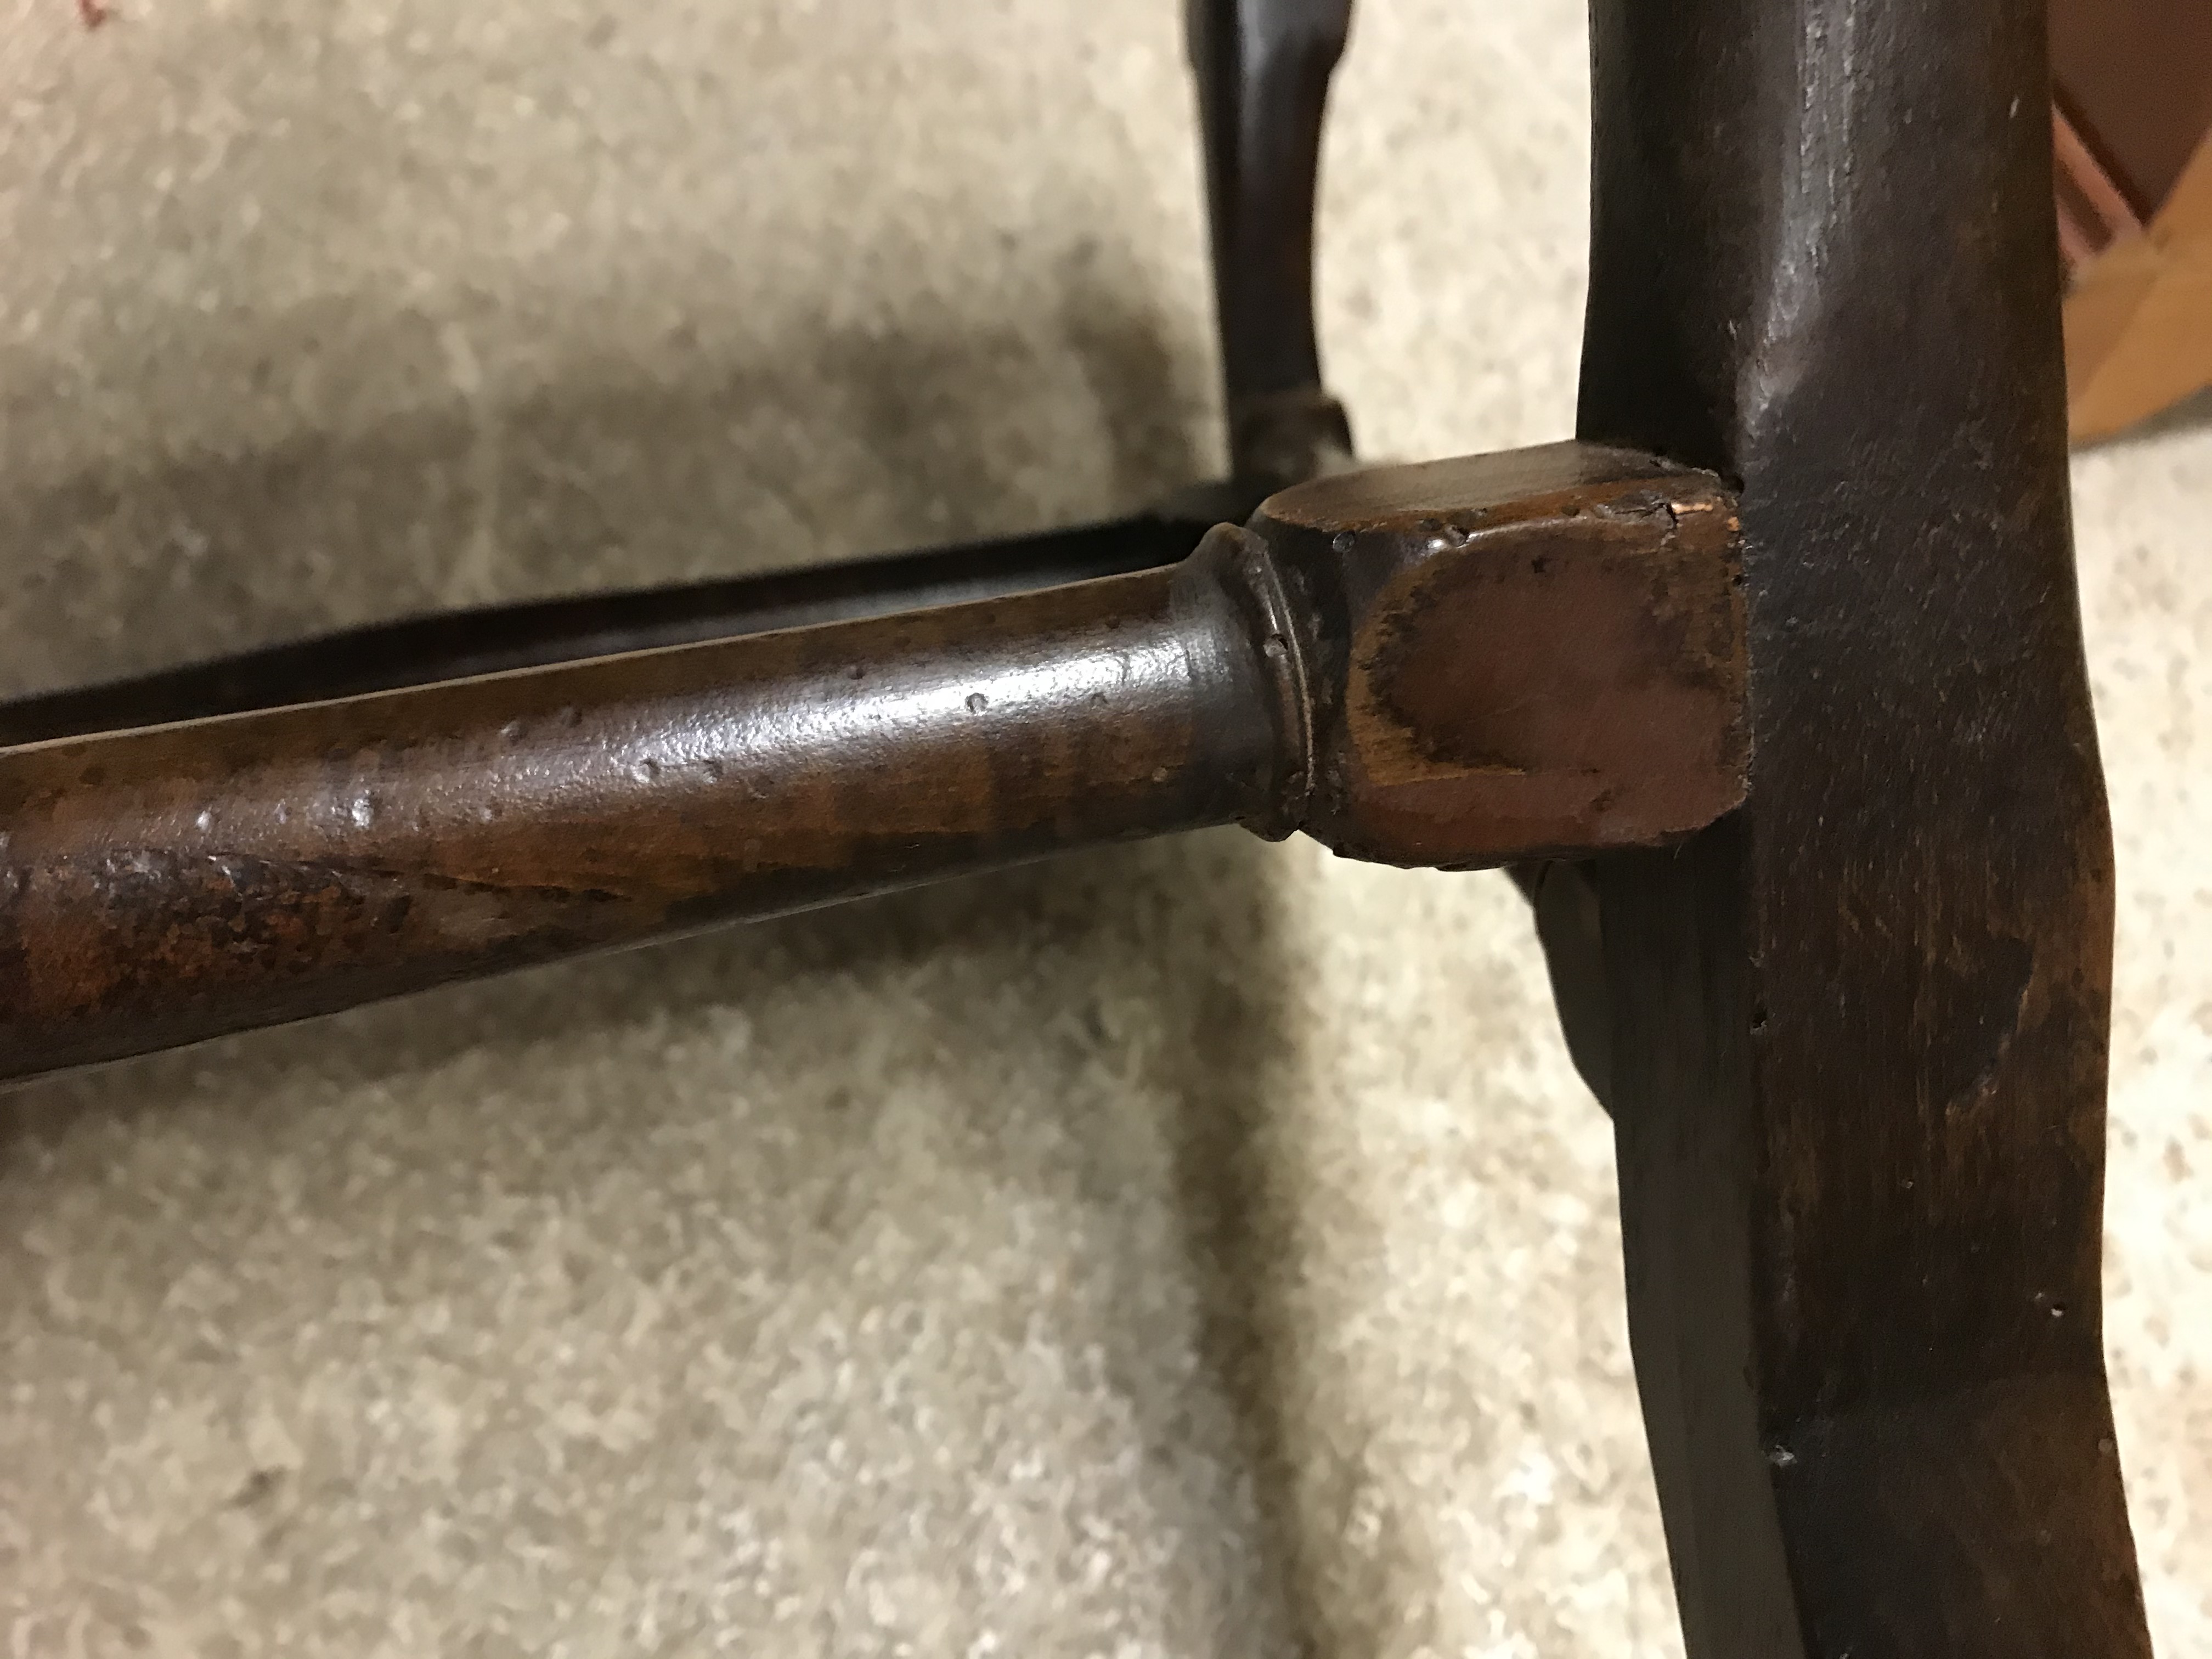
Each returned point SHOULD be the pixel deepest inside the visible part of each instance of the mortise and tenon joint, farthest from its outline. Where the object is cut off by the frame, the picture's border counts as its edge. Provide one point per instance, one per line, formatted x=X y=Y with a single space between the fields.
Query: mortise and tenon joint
x=1455 y=663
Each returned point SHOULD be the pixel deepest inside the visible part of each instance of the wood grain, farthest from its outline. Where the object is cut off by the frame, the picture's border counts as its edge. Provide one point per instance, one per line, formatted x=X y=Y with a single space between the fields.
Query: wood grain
x=165 y=885
x=1856 y=1043
x=498 y=639
x=1535 y=651
x=1384 y=660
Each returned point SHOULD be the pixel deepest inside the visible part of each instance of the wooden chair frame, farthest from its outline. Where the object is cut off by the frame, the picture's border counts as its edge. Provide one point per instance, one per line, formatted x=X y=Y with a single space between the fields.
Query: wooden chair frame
x=1769 y=687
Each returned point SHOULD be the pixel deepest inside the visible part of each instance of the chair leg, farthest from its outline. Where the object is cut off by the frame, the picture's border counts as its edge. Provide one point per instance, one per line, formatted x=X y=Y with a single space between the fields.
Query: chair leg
x=1857 y=1030
x=1262 y=69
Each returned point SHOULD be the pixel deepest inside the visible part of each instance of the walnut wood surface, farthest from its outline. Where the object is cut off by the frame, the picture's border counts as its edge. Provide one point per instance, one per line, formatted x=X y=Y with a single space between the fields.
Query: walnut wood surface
x=1852 y=1032
x=1262 y=69
x=1857 y=1030
x=495 y=639
x=1458 y=662
x=161 y=885
x=1542 y=650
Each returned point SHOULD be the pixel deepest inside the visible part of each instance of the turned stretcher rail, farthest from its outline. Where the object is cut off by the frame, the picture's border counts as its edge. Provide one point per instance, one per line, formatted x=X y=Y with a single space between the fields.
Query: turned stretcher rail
x=1451 y=665
x=498 y=639
x=167 y=883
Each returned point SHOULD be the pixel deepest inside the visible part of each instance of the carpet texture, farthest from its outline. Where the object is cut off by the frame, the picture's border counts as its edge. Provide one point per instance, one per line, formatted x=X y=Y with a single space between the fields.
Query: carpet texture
x=1193 y=1249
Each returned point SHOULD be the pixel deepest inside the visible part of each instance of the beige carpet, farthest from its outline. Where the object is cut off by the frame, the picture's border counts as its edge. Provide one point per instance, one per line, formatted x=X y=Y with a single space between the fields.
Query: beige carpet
x=1202 y=1248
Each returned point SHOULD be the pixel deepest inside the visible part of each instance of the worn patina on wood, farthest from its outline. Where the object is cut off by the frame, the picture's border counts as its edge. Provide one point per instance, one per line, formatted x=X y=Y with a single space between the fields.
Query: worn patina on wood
x=1857 y=1031
x=1809 y=751
x=1540 y=652
x=1372 y=661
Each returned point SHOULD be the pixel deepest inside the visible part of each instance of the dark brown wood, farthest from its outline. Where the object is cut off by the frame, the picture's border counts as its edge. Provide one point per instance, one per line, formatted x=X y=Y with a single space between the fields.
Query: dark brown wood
x=1857 y=1030
x=495 y=639
x=1540 y=652
x=1262 y=69
x=1374 y=663
x=162 y=885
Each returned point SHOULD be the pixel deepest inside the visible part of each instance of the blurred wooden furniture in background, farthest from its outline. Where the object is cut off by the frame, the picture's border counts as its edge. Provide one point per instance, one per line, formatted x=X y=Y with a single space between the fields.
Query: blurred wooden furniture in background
x=2132 y=118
